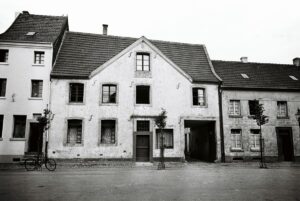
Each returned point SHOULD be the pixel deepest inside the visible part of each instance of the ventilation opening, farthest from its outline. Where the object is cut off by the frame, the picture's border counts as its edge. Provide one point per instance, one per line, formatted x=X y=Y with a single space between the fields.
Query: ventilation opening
x=237 y=158
x=16 y=159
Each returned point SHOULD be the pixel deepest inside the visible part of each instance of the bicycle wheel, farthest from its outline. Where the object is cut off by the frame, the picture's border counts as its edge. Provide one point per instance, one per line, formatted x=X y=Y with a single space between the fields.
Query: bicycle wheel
x=30 y=164
x=50 y=164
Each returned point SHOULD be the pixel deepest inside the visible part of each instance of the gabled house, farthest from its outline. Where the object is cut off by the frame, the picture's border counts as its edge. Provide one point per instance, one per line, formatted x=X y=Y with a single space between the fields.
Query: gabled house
x=277 y=87
x=28 y=49
x=107 y=90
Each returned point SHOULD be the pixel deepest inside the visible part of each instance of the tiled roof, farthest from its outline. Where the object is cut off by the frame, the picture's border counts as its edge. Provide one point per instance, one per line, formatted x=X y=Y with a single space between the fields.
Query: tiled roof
x=46 y=28
x=261 y=75
x=81 y=53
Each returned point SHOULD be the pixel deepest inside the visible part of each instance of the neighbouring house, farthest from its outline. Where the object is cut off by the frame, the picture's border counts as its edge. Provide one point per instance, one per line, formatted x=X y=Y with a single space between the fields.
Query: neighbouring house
x=107 y=90
x=277 y=87
x=28 y=49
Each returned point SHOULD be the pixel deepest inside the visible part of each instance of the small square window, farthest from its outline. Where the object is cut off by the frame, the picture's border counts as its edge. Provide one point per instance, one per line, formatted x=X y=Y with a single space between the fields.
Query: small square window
x=39 y=57
x=3 y=56
x=76 y=92
x=142 y=61
x=142 y=94
x=234 y=108
x=109 y=93
x=199 y=96
x=166 y=136
x=36 y=88
x=142 y=125
x=2 y=87
x=282 y=109
x=19 y=126
x=236 y=138
x=74 y=135
x=252 y=106
x=108 y=131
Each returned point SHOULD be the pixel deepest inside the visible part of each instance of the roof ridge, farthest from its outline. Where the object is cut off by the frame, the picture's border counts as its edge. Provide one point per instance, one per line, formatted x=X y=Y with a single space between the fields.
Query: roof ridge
x=213 y=60
x=53 y=16
x=179 y=43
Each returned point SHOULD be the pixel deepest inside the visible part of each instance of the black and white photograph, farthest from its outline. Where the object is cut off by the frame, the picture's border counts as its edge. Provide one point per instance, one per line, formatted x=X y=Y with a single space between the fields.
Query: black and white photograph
x=161 y=100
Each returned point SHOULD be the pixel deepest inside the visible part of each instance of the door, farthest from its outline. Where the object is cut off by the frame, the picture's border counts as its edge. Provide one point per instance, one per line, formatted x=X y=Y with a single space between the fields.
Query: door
x=35 y=142
x=285 y=144
x=142 y=148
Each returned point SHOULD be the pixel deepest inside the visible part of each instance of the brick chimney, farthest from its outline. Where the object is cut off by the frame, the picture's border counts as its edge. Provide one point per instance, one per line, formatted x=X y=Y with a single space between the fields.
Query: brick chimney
x=25 y=12
x=296 y=61
x=244 y=59
x=105 y=26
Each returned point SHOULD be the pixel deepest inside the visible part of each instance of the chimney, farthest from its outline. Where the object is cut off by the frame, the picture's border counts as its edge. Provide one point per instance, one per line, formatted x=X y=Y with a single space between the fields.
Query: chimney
x=296 y=61
x=104 y=29
x=25 y=12
x=244 y=59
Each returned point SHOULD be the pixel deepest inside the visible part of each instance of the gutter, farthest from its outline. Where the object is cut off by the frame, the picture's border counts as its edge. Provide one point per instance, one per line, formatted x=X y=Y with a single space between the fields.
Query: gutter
x=221 y=123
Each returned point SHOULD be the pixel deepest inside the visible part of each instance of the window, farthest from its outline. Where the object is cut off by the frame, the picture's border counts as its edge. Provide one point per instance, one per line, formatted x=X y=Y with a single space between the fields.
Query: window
x=36 y=88
x=245 y=76
x=199 y=96
x=1 y=125
x=76 y=92
x=108 y=131
x=142 y=94
x=109 y=93
x=167 y=138
x=74 y=135
x=252 y=105
x=254 y=138
x=293 y=77
x=143 y=61
x=236 y=138
x=2 y=87
x=19 y=126
x=234 y=108
x=142 y=125
x=39 y=57
x=282 y=109
x=3 y=56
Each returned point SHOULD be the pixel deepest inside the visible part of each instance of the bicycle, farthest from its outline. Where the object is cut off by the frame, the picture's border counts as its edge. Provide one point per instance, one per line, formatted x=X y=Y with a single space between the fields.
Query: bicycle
x=35 y=163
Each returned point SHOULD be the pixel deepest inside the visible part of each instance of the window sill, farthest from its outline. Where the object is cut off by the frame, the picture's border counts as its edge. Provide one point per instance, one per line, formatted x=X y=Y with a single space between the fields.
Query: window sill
x=199 y=106
x=2 y=98
x=236 y=149
x=254 y=149
x=107 y=145
x=41 y=65
x=108 y=104
x=287 y=117
x=142 y=105
x=73 y=145
x=235 y=116
x=250 y=116
x=17 y=139
x=35 y=98
x=75 y=103
x=4 y=63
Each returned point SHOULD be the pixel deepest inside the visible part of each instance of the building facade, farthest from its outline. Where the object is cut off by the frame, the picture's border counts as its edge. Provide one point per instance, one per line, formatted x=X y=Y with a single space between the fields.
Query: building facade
x=27 y=52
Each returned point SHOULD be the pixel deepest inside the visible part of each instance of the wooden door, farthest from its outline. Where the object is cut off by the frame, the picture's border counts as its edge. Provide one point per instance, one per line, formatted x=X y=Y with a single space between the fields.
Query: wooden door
x=142 y=148
x=285 y=145
x=35 y=138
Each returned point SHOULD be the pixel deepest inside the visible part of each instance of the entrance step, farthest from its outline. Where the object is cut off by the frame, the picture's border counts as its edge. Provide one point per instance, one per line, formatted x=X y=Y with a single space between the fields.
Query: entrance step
x=143 y=164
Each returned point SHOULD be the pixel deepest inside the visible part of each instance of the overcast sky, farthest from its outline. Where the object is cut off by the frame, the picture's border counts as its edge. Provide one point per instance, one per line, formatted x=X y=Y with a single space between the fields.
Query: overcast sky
x=262 y=30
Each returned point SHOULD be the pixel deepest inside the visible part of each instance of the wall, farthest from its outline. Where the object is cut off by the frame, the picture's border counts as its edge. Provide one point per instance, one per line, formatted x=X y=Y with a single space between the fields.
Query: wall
x=19 y=70
x=269 y=101
x=169 y=90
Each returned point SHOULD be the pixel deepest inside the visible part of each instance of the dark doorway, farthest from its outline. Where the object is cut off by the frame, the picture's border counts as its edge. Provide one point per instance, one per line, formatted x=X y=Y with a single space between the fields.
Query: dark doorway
x=35 y=141
x=285 y=144
x=200 y=140
x=142 y=148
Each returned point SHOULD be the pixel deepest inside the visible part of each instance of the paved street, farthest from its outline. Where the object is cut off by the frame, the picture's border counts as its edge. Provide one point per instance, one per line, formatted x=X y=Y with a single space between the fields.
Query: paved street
x=198 y=181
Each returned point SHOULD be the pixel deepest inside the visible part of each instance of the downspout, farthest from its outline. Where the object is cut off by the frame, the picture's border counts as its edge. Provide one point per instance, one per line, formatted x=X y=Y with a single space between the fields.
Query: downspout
x=221 y=123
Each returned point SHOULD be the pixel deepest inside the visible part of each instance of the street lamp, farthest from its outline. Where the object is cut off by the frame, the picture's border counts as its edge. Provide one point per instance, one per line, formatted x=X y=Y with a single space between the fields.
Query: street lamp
x=298 y=116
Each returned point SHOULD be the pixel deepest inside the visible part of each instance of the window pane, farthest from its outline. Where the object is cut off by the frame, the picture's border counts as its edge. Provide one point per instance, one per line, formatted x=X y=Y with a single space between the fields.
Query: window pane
x=143 y=125
x=3 y=55
x=167 y=138
x=1 y=125
x=143 y=61
x=37 y=88
x=76 y=92
x=199 y=96
x=143 y=94
x=74 y=135
x=108 y=129
x=2 y=87
x=19 y=126
x=252 y=105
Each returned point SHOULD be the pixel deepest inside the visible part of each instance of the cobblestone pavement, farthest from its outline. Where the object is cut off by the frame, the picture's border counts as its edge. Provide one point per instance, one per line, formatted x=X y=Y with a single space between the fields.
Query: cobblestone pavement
x=193 y=181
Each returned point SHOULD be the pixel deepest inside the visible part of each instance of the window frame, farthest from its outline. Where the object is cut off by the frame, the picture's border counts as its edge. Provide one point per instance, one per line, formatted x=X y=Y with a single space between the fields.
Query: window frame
x=157 y=138
x=136 y=61
x=253 y=137
x=100 y=132
x=101 y=93
x=42 y=88
x=286 y=110
x=239 y=111
x=83 y=95
x=41 y=59
x=14 y=127
x=234 y=141
x=249 y=108
x=3 y=80
x=65 y=143
x=204 y=95
x=150 y=95
x=6 y=56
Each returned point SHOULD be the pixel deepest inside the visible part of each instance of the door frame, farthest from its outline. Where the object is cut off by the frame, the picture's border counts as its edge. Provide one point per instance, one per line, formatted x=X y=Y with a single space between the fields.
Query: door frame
x=290 y=133
x=150 y=134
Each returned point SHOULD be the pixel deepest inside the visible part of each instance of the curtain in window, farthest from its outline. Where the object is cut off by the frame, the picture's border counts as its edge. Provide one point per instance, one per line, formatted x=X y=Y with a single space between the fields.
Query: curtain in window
x=281 y=109
x=168 y=138
x=108 y=132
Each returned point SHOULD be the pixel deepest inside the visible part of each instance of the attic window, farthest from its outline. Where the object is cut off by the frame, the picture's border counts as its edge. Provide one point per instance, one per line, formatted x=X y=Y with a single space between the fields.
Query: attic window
x=30 y=33
x=245 y=76
x=293 y=77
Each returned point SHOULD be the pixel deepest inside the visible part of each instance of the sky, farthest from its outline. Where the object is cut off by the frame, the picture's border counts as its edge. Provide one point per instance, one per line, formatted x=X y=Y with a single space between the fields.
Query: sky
x=265 y=31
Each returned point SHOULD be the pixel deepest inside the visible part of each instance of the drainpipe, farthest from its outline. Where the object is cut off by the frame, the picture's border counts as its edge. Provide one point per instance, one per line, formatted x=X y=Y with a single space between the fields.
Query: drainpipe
x=221 y=123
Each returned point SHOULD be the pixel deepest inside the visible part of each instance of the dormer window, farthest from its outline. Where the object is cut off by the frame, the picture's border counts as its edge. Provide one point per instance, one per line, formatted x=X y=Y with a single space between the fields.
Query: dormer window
x=293 y=77
x=245 y=76
x=39 y=57
x=142 y=61
x=30 y=33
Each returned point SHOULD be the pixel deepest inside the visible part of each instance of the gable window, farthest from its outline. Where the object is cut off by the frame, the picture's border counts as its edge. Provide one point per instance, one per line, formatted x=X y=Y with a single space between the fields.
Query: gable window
x=234 y=108
x=142 y=61
x=167 y=136
x=143 y=94
x=2 y=87
x=36 y=88
x=199 y=96
x=39 y=57
x=1 y=125
x=108 y=131
x=76 y=92
x=282 y=109
x=236 y=138
x=254 y=138
x=19 y=126
x=3 y=56
x=142 y=125
x=74 y=135
x=252 y=104
x=109 y=93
